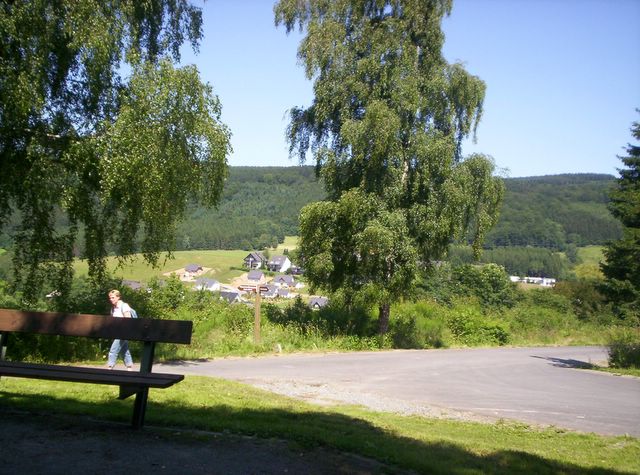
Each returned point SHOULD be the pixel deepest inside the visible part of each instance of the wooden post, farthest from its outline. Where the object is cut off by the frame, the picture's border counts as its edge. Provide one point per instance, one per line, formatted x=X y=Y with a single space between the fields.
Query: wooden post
x=256 y=320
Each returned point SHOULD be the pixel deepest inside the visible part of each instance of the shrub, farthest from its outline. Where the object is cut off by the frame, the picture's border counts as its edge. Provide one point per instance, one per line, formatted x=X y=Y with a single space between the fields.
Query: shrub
x=412 y=330
x=624 y=349
x=586 y=299
x=489 y=283
x=547 y=298
x=469 y=327
x=331 y=320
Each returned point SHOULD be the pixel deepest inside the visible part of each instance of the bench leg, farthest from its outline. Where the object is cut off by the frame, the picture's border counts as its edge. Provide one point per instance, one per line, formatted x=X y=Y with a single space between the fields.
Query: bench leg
x=139 y=408
x=4 y=336
x=140 y=404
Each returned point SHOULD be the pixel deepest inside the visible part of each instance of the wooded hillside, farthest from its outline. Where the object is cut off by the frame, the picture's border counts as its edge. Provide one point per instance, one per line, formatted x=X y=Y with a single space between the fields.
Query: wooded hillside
x=261 y=205
x=554 y=211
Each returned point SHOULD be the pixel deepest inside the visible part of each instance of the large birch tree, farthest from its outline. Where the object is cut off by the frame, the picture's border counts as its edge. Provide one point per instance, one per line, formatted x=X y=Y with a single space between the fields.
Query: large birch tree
x=385 y=129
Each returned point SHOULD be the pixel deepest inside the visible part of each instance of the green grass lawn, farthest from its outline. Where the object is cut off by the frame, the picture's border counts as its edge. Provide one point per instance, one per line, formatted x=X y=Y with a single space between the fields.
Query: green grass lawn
x=422 y=444
x=221 y=263
x=589 y=268
x=290 y=243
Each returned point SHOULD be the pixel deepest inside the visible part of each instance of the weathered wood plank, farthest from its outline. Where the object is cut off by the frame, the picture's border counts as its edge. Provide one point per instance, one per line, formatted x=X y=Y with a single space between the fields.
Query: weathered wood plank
x=88 y=375
x=96 y=326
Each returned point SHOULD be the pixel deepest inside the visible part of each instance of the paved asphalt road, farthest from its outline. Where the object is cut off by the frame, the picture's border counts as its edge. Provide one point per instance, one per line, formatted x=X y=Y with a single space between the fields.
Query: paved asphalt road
x=534 y=385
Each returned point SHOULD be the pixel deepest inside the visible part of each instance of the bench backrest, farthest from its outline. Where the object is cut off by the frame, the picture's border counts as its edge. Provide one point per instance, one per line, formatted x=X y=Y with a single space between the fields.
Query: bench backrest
x=96 y=326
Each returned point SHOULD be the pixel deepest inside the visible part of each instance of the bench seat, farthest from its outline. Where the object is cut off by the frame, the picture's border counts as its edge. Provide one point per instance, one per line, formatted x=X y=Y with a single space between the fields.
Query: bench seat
x=88 y=375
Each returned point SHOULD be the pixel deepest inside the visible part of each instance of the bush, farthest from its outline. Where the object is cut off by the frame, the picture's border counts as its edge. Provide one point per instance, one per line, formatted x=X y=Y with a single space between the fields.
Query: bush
x=489 y=283
x=624 y=349
x=412 y=327
x=586 y=299
x=331 y=320
x=469 y=327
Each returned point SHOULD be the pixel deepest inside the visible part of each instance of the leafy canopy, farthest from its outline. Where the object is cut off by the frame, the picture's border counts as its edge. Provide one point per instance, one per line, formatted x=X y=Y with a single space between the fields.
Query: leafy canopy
x=385 y=128
x=97 y=125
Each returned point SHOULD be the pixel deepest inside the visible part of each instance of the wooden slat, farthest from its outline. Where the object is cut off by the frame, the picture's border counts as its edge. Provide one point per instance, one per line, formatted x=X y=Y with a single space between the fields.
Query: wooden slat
x=89 y=375
x=96 y=326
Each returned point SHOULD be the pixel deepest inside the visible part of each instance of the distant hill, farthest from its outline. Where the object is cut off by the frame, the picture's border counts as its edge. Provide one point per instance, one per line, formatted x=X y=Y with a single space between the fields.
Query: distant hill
x=261 y=205
x=554 y=211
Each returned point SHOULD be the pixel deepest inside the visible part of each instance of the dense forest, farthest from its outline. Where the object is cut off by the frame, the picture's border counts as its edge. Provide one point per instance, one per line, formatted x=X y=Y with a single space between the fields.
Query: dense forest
x=555 y=211
x=260 y=206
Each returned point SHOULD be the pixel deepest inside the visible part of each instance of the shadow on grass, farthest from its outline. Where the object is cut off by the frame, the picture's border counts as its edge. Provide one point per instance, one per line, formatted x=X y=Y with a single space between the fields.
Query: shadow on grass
x=308 y=429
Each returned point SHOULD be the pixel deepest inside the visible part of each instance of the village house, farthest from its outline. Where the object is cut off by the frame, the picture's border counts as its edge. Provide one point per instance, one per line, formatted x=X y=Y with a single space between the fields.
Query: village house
x=256 y=277
x=132 y=284
x=318 y=302
x=230 y=296
x=270 y=292
x=541 y=281
x=255 y=260
x=279 y=264
x=283 y=281
x=191 y=271
x=211 y=285
x=285 y=294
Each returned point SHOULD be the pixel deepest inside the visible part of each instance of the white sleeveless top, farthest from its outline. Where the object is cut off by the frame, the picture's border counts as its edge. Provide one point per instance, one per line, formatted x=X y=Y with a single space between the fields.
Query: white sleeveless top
x=120 y=308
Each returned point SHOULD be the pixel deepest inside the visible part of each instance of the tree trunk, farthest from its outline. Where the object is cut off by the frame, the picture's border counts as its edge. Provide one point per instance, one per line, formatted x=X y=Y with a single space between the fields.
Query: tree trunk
x=383 y=318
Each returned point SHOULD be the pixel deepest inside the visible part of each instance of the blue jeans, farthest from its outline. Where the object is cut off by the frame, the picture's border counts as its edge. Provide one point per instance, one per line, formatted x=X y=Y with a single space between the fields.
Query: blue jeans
x=120 y=346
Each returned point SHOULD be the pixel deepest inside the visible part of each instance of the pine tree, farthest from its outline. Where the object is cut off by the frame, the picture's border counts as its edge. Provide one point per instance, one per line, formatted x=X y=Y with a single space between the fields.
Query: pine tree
x=622 y=266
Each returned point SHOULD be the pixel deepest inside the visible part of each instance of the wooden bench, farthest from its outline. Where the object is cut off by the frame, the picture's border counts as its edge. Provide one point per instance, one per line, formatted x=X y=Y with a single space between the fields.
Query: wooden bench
x=96 y=326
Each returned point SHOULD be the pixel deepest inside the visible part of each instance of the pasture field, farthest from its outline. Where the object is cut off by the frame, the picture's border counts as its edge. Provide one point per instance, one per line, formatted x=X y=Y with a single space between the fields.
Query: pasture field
x=220 y=262
x=591 y=256
x=223 y=265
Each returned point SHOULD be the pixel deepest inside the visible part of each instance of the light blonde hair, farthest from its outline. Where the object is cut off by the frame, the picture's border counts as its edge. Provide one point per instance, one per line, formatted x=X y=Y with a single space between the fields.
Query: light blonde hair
x=115 y=292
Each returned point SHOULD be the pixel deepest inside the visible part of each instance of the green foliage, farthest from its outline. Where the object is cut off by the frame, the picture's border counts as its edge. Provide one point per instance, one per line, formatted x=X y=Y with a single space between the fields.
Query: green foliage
x=470 y=327
x=622 y=266
x=542 y=317
x=357 y=246
x=521 y=261
x=105 y=154
x=330 y=320
x=624 y=349
x=385 y=128
x=416 y=326
x=554 y=212
x=259 y=207
x=164 y=297
x=588 y=302
x=489 y=283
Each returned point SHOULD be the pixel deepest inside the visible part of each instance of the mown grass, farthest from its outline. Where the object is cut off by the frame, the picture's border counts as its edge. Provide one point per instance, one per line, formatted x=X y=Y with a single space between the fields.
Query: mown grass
x=425 y=445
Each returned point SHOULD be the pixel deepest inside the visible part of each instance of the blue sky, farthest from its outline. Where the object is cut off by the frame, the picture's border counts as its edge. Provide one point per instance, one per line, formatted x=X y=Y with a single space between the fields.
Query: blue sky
x=563 y=79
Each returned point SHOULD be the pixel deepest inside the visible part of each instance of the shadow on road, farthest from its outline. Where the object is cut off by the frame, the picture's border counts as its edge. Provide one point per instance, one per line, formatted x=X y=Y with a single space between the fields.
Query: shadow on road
x=566 y=363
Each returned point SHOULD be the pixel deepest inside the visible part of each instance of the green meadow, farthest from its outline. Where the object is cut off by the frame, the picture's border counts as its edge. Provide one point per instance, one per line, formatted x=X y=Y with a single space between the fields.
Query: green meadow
x=220 y=264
